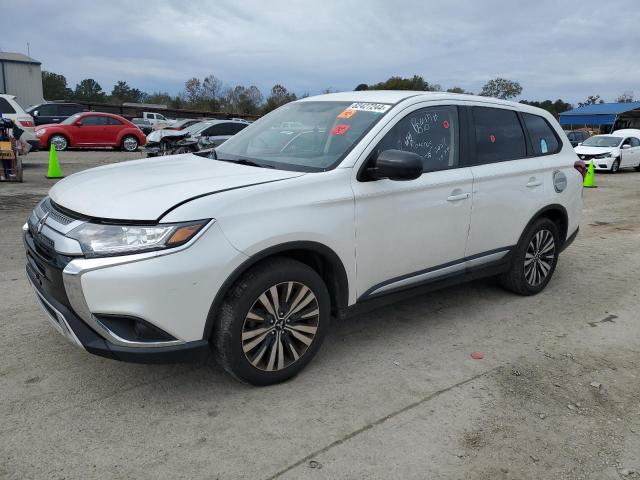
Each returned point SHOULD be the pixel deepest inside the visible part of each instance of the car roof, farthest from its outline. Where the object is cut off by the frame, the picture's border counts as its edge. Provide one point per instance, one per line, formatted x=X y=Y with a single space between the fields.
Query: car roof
x=627 y=131
x=397 y=96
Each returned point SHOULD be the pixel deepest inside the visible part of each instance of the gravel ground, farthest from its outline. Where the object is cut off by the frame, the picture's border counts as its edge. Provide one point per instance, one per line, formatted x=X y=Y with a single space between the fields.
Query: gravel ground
x=392 y=394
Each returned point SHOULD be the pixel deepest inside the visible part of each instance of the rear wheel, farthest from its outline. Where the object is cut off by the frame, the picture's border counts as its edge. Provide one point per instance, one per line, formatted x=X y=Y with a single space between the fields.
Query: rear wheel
x=129 y=143
x=615 y=166
x=59 y=142
x=272 y=322
x=534 y=259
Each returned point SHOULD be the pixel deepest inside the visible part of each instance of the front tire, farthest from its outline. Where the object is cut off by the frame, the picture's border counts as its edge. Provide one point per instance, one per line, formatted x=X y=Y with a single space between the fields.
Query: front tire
x=59 y=142
x=534 y=259
x=272 y=322
x=615 y=166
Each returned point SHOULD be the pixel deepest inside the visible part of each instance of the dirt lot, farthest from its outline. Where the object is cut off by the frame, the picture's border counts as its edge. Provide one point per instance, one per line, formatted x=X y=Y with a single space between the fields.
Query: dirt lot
x=392 y=394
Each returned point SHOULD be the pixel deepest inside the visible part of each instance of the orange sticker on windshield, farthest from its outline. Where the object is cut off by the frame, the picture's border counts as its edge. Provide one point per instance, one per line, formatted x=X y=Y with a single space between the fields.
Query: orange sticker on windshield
x=340 y=129
x=348 y=113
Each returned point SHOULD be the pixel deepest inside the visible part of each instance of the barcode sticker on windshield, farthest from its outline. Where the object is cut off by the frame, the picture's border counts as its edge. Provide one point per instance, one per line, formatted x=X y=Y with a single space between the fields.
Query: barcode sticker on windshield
x=370 y=107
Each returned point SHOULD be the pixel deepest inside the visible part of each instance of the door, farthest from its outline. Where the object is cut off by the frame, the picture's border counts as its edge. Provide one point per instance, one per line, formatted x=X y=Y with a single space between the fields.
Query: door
x=630 y=152
x=410 y=232
x=47 y=113
x=508 y=182
x=217 y=134
x=93 y=130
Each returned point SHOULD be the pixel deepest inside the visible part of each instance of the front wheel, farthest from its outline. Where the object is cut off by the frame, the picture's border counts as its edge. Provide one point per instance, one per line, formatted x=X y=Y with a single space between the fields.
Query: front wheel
x=272 y=322
x=59 y=142
x=534 y=259
x=615 y=166
x=129 y=143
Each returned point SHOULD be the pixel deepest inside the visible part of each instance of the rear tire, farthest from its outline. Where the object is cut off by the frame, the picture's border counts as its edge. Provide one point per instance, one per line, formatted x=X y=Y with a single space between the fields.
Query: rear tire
x=637 y=169
x=534 y=259
x=129 y=143
x=272 y=322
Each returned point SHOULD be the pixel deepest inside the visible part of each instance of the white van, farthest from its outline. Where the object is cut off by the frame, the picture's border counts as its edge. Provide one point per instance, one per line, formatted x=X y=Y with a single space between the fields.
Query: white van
x=249 y=249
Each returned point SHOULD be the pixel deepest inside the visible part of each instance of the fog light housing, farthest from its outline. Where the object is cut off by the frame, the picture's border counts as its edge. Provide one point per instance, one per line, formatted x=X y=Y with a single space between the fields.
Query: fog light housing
x=134 y=329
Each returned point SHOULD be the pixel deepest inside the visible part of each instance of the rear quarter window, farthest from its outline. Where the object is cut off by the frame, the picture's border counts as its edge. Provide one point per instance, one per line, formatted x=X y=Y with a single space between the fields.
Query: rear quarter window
x=543 y=139
x=5 y=106
x=498 y=134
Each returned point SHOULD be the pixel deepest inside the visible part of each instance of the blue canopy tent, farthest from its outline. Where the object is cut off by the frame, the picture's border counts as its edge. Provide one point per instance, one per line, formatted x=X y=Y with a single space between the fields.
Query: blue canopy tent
x=600 y=114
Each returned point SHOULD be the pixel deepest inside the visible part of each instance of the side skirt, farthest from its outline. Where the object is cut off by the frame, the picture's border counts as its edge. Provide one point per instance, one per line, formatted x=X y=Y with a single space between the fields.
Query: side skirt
x=467 y=275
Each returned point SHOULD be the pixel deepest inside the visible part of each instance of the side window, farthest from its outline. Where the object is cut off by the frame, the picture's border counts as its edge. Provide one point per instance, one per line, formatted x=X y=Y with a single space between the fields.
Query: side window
x=499 y=135
x=237 y=127
x=5 y=106
x=94 y=120
x=543 y=138
x=219 y=129
x=635 y=142
x=68 y=110
x=113 y=121
x=430 y=132
x=47 y=110
x=627 y=141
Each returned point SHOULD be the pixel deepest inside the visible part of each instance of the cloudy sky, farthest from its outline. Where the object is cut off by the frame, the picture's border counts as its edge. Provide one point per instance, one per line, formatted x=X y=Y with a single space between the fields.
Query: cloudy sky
x=555 y=49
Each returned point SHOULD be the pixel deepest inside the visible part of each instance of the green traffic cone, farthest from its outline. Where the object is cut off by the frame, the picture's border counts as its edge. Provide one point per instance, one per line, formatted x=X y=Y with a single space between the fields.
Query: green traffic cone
x=589 y=179
x=54 y=166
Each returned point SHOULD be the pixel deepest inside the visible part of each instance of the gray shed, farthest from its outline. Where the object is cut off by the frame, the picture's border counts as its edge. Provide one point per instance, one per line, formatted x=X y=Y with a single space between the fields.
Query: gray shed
x=21 y=76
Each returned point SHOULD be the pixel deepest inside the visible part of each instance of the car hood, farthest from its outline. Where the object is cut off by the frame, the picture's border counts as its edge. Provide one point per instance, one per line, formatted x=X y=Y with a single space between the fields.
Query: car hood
x=146 y=189
x=582 y=150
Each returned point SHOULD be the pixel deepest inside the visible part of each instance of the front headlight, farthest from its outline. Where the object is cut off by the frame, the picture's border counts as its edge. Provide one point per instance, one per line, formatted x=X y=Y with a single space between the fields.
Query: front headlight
x=98 y=240
x=603 y=155
x=40 y=132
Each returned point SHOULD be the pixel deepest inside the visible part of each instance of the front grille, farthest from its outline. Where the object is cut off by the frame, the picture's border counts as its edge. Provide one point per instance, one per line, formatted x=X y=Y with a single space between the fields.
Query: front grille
x=54 y=214
x=586 y=157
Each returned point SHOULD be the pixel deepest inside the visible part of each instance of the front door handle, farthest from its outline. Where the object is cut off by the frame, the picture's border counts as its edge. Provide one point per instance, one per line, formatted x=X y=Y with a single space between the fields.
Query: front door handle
x=533 y=182
x=460 y=196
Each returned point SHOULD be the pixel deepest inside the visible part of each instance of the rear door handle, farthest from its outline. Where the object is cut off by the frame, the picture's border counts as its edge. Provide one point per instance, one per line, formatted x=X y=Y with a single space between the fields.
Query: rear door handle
x=455 y=198
x=534 y=183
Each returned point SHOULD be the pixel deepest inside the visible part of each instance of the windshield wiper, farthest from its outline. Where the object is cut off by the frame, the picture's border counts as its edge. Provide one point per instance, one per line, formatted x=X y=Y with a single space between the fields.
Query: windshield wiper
x=244 y=161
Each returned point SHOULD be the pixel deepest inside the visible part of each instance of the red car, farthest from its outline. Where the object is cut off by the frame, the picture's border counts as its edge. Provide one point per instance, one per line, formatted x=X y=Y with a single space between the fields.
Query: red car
x=89 y=130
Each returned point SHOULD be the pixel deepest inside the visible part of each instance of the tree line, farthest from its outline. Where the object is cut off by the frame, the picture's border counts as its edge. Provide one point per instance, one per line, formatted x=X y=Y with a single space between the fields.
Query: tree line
x=210 y=94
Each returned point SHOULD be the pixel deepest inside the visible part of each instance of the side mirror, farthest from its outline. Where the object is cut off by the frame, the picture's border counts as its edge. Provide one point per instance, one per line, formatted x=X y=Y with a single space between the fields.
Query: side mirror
x=579 y=143
x=78 y=123
x=396 y=165
x=35 y=113
x=626 y=147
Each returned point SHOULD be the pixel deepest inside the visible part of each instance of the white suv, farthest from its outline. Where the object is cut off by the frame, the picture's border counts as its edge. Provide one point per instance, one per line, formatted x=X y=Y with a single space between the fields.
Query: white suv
x=10 y=108
x=249 y=249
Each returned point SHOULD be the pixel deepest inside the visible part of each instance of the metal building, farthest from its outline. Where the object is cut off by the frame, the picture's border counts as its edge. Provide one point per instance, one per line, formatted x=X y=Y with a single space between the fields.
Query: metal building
x=606 y=117
x=21 y=76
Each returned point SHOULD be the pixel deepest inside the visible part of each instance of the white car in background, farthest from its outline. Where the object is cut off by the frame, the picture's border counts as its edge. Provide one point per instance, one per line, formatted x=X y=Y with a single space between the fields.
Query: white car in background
x=619 y=149
x=249 y=249
x=10 y=108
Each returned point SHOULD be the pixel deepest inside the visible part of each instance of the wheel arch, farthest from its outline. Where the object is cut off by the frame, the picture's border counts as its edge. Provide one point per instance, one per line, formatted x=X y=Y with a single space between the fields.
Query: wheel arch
x=557 y=214
x=319 y=257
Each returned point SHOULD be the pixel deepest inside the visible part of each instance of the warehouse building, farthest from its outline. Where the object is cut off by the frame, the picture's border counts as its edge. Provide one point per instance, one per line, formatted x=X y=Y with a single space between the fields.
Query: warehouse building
x=21 y=76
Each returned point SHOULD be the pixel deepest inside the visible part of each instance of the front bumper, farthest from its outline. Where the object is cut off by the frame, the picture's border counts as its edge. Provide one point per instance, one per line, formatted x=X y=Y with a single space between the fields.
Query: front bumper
x=66 y=322
x=57 y=279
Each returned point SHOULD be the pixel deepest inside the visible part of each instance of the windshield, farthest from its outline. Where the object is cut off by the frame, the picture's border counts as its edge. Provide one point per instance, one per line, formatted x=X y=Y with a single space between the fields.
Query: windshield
x=70 y=120
x=602 y=141
x=303 y=136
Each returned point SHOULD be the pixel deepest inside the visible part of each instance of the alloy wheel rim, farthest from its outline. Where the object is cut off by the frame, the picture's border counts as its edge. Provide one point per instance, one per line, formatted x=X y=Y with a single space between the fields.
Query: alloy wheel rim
x=280 y=326
x=539 y=257
x=59 y=143
x=130 y=144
